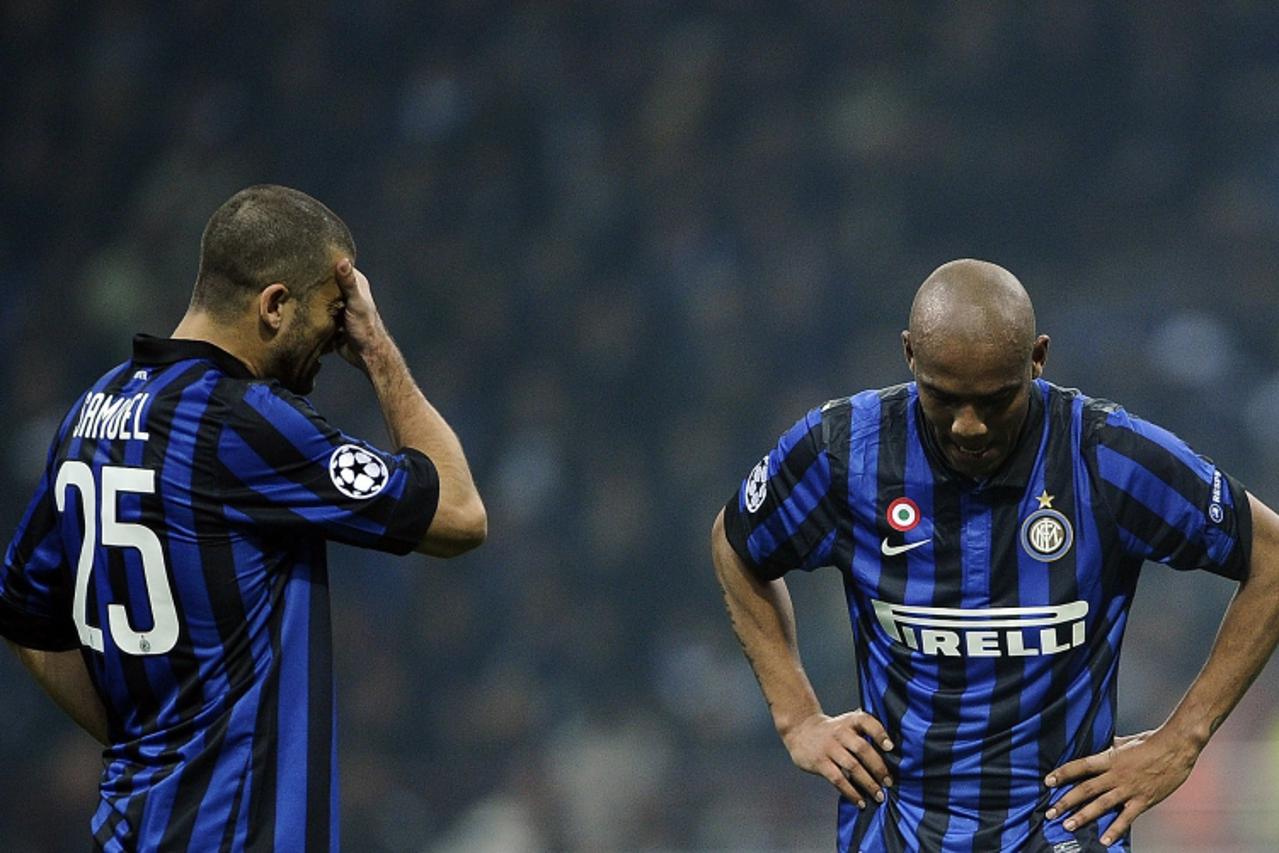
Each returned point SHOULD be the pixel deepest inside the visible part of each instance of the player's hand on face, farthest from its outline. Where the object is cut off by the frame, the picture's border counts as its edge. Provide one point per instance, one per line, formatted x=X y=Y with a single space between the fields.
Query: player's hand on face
x=1133 y=775
x=845 y=751
x=362 y=326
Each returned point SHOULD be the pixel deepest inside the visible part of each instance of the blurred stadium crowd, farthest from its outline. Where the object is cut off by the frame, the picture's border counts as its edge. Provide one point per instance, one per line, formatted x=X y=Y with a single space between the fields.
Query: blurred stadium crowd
x=625 y=244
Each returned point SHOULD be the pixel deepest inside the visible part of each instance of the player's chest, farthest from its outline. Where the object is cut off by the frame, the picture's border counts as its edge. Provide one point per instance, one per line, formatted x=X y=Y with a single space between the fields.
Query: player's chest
x=949 y=543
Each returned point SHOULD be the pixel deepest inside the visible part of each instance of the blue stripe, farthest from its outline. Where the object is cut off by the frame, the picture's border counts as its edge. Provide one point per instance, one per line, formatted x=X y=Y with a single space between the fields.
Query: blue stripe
x=865 y=571
x=184 y=551
x=1080 y=693
x=291 y=755
x=921 y=572
x=979 y=680
x=1033 y=590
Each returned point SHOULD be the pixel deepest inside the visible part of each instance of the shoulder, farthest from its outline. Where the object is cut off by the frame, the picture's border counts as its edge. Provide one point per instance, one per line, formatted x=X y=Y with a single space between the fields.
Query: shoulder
x=258 y=406
x=1109 y=428
x=1064 y=404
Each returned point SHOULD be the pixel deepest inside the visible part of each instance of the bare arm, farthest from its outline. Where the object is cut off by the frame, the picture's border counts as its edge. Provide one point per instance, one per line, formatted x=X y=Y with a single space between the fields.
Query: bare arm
x=460 y=522
x=64 y=678
x=1140 y=771
x=839 y=749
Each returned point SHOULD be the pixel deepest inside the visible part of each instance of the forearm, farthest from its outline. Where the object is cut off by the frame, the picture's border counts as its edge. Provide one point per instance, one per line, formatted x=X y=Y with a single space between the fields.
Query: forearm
x=413 y=422
x=764 y=621
x=1247 y=637
x=64 y=677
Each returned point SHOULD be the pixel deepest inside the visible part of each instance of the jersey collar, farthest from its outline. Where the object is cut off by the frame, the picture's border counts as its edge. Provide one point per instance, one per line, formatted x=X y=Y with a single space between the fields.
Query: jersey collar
x=148 y=349
x=1017 y=468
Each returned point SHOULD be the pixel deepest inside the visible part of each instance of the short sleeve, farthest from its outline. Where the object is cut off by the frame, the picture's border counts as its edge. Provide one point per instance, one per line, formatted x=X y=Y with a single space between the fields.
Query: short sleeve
x=36 y=581
x=284 y=468
x=1170 y=504
x=782 y=517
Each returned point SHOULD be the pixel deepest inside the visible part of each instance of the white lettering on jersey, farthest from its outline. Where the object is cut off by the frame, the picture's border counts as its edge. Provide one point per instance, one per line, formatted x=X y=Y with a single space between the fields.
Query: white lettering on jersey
x=110 y=417
x=985 y=632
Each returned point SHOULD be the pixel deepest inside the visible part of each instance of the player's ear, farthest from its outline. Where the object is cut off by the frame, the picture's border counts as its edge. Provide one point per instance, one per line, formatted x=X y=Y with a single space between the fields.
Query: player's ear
x=908 y=350
x=1039 y=356
x=271 y=301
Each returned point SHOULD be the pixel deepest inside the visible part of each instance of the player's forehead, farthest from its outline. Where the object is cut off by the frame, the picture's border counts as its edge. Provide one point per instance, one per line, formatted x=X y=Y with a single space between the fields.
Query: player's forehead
x=971 y=369
x=325 y=292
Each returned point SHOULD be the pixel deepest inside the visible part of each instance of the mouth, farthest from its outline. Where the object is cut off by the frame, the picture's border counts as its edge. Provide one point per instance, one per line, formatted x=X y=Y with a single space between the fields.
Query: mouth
x=973 y=459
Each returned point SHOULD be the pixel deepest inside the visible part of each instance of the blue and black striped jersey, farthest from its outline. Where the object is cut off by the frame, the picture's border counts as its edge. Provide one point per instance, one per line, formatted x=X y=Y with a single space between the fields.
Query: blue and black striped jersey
x=177 y=538
x=987 y=616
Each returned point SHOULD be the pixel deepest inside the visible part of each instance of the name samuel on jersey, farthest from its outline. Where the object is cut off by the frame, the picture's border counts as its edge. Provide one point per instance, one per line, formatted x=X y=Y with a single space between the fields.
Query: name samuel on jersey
x=111 y=417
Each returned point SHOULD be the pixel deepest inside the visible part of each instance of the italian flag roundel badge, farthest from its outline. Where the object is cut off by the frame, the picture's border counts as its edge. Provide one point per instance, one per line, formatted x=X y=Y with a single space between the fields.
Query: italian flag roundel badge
x=903 y=514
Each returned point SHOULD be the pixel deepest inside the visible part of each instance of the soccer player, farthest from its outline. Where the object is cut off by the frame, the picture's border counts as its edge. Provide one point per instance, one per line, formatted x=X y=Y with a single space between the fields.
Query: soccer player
x=168 y=584
x=989 y=527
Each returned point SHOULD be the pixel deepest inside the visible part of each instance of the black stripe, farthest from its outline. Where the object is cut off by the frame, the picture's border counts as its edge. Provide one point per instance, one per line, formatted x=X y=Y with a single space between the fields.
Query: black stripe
x=217 y=575
x=1063 y=585
x=107 y=831
x=995 y=799
x=319 y=720
x=952 y=677
x=837 y=423
x=890 y=474
x=1239 y=563
x=266 y=736
x=228 y=831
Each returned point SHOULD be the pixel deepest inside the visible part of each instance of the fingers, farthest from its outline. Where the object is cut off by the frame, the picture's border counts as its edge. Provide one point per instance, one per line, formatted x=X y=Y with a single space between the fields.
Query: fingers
x=856 y=772
x=1091 y=765
x=1108 y=801
x=872 y=728
x=348 y=277
x=834 y=774
x=1071 y=800
x=867 y=757
x=1117 y=829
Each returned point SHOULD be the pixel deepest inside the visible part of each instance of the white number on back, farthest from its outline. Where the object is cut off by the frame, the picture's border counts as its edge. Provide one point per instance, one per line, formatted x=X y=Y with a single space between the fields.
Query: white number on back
x=163 y=636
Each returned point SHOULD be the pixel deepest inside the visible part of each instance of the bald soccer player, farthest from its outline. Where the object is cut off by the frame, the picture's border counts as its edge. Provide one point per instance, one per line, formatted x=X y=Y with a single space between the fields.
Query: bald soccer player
x=989 y=527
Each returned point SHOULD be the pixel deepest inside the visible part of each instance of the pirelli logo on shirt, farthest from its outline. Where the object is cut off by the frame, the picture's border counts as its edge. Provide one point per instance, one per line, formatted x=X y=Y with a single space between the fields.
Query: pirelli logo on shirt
x=988 y=632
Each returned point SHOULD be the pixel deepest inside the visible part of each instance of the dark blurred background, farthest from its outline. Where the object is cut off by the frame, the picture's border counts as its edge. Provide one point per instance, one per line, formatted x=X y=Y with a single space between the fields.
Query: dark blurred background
x=624 y=244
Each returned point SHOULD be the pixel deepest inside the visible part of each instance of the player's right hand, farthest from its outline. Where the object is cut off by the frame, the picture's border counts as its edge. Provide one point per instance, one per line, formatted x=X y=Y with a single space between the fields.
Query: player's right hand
x=845 y=751
x=361 y=324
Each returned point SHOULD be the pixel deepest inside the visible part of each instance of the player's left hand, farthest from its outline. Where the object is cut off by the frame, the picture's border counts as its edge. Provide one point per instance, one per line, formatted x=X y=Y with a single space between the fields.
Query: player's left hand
x=1134 y=774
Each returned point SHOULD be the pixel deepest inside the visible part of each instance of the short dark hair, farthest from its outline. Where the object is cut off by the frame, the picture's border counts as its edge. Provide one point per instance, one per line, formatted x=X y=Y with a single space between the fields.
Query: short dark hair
x=263 y=234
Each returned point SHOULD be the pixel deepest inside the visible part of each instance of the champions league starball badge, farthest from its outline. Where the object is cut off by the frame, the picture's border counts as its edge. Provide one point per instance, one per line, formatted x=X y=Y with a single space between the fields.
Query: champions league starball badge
x=757 y=486
x=1046 y=534
x=356 y=472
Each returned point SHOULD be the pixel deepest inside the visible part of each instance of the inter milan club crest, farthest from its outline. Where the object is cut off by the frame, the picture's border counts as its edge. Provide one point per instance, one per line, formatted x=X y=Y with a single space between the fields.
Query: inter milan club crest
x=903 y=515
x=1046 y=534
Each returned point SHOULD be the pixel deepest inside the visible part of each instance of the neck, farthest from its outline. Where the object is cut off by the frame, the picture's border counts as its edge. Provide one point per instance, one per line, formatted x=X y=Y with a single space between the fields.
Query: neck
x=199 y=326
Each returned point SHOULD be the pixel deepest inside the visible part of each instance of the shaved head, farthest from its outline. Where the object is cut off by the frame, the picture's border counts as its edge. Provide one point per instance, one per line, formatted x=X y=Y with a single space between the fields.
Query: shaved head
x=972 y=304
x=972 y=347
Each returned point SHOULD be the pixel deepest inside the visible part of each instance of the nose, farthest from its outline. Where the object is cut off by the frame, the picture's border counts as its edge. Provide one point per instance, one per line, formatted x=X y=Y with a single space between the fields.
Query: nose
x=967 y=424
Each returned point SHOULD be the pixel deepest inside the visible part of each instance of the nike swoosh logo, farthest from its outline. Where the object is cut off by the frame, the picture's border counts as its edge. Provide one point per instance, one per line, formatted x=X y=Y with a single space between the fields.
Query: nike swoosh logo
x=894 y=550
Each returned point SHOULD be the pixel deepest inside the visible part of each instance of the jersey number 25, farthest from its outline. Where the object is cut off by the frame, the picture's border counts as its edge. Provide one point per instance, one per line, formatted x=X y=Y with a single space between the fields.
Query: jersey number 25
x=163 y=635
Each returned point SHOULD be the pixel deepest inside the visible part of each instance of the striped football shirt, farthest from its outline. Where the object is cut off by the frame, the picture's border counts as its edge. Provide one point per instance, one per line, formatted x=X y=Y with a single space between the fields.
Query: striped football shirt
x=987 y=616
x=177 y=538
